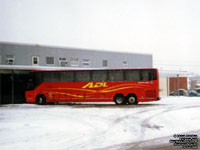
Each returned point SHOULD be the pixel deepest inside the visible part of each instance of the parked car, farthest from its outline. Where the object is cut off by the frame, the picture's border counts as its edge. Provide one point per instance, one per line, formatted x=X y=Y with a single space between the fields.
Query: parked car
x=193 y=93
x=197 y=90
x=179 y=92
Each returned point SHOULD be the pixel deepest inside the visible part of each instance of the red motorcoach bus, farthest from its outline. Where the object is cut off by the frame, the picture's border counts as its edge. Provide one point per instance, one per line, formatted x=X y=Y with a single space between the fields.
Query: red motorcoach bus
x=122 y=86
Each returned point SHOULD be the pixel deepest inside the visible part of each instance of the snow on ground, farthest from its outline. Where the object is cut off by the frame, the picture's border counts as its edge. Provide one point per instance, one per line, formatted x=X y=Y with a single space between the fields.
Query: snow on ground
x=61 y=127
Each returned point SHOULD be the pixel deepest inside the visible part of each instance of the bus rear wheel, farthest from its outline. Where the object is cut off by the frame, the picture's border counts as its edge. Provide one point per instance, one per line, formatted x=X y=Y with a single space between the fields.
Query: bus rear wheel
x=41 y=100
x=119 y=99
x=132 y=100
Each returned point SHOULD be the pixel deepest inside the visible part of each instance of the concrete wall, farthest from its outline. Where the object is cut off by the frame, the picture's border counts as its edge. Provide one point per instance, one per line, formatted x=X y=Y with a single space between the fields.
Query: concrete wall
x=163 y=86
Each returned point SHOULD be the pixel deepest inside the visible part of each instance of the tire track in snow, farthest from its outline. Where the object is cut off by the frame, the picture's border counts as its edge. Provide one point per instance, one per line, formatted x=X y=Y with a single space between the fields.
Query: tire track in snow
x=146 y=125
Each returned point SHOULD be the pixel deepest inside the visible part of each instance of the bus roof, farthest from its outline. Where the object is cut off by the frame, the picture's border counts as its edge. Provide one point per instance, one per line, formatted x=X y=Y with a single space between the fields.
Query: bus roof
x=90 y=69
x=49 y=68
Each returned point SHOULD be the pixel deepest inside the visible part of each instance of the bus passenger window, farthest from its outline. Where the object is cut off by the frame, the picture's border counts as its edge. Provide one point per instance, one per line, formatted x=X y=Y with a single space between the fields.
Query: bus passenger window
x=82 y=76
x=29 y=85
x=99 y=75
x=132 y=75
x=38 y=78
x=115 y=75
x=152 y=75
x=51 y=76
x=67 y=76
x=144 y=75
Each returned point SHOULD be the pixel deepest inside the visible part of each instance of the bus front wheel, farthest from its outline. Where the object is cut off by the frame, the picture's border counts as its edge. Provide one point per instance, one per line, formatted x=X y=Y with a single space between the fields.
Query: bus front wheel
x=119 y=99
x=132 y=99
x=41 y=100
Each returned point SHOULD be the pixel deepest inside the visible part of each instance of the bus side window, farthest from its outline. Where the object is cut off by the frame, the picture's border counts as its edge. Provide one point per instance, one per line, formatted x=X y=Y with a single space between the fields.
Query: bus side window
x=67 y=76
x=51 y=76
x=144 y=75
x=38 y=78
x=99 y=75
x=82 y=76
x=132 y=75
x=152 y=75
x=29 y=84
x=115 y=75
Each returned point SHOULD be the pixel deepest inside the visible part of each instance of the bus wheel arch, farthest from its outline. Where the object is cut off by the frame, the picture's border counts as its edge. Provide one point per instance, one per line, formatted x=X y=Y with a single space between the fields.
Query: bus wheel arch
x=131 y=99
x=119 y=99
x=41 y=99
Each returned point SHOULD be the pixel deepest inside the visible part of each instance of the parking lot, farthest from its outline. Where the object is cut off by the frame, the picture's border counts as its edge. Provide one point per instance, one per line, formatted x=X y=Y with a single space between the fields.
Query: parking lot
x=98 y=126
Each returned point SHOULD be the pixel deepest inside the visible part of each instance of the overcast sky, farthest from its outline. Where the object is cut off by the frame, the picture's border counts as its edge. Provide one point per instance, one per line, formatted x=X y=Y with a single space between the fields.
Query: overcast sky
x=168 y=29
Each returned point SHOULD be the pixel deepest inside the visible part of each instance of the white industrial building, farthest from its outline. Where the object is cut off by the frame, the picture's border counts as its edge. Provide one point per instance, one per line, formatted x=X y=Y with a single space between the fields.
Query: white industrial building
x=17 y=60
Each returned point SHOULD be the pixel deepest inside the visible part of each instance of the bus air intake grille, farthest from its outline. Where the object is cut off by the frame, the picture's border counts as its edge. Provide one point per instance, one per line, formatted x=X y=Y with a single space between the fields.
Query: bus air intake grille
x=150 y=93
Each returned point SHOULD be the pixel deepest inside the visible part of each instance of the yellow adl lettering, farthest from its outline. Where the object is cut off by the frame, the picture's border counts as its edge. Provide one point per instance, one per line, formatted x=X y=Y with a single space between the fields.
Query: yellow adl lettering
x=98 y=84
x=89 y=85
x=95 y=85
x=104 y=84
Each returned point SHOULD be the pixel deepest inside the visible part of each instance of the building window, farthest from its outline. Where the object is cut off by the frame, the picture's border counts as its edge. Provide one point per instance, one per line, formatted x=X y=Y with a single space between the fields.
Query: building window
x=105 y=63
x=63 y=61
x=86 y=63
x=35 y=60
x=74 y=62
x=10 y=59
x=125 y=64
x=50 y=60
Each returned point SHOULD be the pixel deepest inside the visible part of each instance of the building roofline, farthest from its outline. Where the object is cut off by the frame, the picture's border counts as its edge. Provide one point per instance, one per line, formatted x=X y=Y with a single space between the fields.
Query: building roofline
x=26 y=67
x=51 y=68
x=72 y=48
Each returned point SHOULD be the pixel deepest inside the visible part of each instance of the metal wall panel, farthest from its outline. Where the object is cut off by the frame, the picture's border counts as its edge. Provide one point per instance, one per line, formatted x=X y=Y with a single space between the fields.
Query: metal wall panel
x=23 y=56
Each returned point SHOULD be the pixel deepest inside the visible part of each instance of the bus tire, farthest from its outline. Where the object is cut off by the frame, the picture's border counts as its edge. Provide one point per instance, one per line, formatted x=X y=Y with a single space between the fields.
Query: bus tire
x=119 y=99
x=41 y=99
x=132 y=99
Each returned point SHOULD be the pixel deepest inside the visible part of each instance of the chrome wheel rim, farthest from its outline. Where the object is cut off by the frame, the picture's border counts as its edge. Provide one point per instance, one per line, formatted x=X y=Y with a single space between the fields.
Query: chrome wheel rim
x=119 y=100
x=40 y=100
x=131 y=100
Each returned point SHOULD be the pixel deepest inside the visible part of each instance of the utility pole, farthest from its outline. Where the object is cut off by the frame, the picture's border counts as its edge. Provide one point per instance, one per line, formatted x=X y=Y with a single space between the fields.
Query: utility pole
x=178 y=84
x=174 y=84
